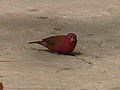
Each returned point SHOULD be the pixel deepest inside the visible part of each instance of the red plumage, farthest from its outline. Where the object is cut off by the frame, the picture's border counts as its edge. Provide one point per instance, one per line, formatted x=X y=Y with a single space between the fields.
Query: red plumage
x=1 y=86
x=63 y=44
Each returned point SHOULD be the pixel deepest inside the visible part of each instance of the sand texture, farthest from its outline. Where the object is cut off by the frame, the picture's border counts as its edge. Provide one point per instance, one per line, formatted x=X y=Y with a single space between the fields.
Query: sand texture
x=32 y=67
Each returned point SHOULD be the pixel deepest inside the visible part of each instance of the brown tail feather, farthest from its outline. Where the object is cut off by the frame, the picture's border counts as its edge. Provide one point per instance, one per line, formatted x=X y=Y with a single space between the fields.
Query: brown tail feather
x=38 y=42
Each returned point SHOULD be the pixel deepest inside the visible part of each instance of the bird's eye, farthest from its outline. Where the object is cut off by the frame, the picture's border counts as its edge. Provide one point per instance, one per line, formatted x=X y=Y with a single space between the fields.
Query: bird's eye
x=72 y=38
x=69 y=37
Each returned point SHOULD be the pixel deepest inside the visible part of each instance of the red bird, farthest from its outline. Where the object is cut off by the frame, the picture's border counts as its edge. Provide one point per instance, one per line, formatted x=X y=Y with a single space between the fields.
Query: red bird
x=63 y=44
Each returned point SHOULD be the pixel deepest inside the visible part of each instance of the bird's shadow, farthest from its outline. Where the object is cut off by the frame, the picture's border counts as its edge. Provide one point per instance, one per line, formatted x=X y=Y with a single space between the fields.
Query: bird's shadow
x=47 y=50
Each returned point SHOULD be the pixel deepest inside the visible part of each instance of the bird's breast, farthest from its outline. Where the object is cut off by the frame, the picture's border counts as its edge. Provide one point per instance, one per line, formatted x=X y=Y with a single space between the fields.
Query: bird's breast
x=66 y=47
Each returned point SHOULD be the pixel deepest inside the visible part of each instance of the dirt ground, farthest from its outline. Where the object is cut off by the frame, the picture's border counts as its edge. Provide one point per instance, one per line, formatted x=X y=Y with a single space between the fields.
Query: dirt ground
x=31 y=67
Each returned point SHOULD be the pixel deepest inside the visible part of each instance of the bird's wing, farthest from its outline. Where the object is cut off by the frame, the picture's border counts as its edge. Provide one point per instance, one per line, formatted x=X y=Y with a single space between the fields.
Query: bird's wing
x=53 y=40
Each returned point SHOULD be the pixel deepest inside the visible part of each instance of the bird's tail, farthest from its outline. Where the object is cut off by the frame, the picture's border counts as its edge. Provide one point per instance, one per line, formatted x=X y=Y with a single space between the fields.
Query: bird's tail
x=38 y=42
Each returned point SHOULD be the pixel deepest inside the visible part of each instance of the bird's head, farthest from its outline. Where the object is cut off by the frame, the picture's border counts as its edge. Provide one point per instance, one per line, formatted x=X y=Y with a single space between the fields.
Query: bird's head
x=72 y=37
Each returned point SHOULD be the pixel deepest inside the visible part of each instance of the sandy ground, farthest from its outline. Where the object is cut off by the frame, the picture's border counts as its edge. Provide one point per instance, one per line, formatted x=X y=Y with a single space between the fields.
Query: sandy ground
x=30 y=67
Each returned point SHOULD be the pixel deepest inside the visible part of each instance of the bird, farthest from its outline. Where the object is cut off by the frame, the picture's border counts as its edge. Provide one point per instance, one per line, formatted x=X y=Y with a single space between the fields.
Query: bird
x=1 y=86
x=62 y=44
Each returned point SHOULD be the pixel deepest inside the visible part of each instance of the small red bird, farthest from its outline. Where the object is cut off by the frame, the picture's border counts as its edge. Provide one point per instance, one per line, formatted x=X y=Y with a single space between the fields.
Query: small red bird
x=63 y=44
